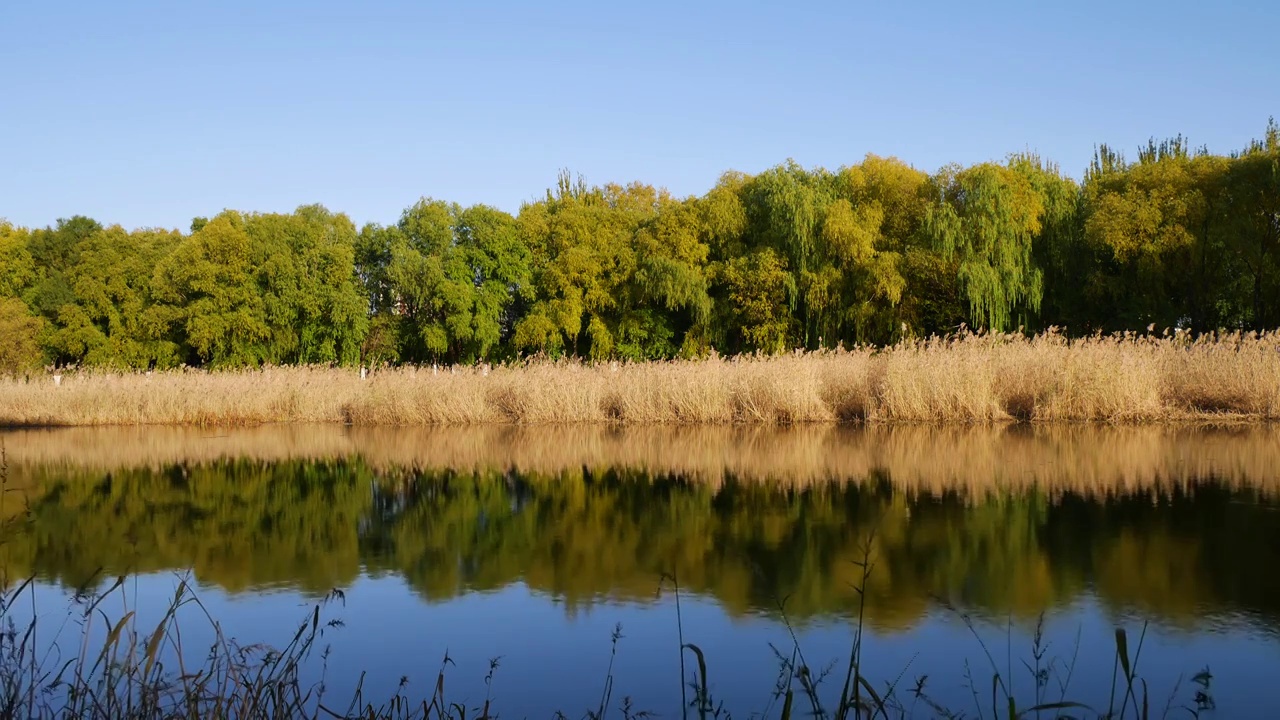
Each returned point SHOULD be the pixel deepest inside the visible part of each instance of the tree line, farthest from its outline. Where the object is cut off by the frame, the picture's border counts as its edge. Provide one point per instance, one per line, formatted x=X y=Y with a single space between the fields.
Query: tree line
x=788 y=258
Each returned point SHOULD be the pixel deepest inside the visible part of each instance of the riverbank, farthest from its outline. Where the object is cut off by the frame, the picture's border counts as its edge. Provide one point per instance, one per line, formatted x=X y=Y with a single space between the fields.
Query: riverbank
x=963 y=379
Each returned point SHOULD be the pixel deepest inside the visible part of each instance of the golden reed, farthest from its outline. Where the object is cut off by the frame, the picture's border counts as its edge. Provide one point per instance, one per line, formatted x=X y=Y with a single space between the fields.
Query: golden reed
x=1086 y=459
x=968 y=378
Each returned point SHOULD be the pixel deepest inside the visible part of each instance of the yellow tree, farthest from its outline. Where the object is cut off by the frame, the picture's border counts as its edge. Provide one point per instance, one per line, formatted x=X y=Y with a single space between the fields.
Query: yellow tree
x=1152 y=225
x=866 y=232
x=579 y=238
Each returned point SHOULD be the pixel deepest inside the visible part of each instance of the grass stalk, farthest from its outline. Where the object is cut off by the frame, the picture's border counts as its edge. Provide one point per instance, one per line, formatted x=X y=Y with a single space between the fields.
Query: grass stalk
x=124 y=678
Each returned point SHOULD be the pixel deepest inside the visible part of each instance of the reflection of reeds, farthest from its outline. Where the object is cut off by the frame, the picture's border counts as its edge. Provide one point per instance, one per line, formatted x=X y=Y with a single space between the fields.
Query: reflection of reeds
x=1086 y=459
x=963 y=379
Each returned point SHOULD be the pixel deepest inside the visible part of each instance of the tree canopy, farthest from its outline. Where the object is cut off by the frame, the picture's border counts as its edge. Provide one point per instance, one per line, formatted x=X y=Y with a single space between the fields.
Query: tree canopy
x=788 y=258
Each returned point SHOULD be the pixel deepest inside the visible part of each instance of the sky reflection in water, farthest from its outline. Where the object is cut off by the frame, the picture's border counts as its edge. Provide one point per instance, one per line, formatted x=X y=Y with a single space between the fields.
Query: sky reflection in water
x=479 y=558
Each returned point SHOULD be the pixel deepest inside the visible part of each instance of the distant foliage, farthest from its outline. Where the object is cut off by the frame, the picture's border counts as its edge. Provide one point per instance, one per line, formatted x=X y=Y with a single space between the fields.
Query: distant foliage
x=789 y=258
x=20 y=334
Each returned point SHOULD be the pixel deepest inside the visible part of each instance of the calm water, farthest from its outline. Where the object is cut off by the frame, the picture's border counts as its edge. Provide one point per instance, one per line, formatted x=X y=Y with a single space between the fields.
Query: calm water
x=533 y=545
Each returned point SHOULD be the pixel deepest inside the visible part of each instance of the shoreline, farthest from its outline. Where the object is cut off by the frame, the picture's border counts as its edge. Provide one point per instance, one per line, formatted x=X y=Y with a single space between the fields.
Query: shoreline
x=1207 y=421
x=963 y=380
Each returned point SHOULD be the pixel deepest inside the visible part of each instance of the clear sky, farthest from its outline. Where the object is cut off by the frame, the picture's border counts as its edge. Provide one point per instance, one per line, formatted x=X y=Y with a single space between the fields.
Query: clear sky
x=151 y=113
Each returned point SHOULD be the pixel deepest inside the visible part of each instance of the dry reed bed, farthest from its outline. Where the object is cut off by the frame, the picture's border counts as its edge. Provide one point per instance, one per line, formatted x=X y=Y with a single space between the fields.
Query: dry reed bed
x=1090 y=460
x=963 y=379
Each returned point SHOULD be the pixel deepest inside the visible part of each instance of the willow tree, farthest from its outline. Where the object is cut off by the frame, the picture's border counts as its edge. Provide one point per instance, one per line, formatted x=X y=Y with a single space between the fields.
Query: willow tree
x=786 y=206
x=757 y=286
x=743 y=221
x=987 y=217
x=1210 y=280
x=912 y=289
x=722 y=223
x=20 y=329
x=861 y=279
x=1059 y=247
x=497 y=263
x=661 y=303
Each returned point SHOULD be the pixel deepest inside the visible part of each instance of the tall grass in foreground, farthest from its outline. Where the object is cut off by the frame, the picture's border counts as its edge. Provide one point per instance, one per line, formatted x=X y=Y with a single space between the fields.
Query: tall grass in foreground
x=118 y=669
x=966 y=378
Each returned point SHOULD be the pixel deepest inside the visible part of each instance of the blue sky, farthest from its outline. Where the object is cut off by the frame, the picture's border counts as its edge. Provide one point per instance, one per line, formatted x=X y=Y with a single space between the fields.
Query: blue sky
x=151 y=113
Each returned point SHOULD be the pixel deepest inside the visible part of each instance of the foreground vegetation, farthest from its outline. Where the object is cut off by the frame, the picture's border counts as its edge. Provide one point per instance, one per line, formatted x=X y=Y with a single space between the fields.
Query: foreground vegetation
x=872 y=253
x=965 y=378
x=118 y=669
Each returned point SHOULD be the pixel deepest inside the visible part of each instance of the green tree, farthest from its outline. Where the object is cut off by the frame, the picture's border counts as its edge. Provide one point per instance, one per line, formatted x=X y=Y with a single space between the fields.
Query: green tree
x=661 y=301
x=788 y=258
x=758 y=286
x=112 y=320
x=786 y=206
x=456 y=276
x=305 y=270
x=1058 y=247
x=372 y=265
x=17 y=267
x=580 y=241
x=868 y=232
x=934 y=303
x=248 y=289
x=429 y=277
x=914 y=289
x=497 y=262
x=207 y=288
x=987 y=217
x=20 y=334
x=55 y=251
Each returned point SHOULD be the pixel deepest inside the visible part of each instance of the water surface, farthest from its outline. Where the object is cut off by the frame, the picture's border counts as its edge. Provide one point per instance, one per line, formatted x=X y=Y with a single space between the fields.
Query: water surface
x=534 y=544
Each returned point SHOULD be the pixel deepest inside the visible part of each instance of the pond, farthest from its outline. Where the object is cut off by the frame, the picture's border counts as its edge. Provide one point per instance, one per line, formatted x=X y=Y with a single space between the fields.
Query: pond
x=953 y=549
